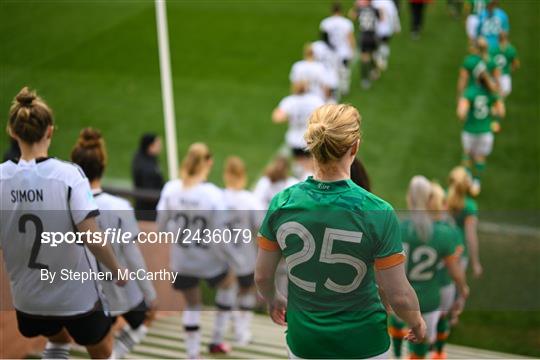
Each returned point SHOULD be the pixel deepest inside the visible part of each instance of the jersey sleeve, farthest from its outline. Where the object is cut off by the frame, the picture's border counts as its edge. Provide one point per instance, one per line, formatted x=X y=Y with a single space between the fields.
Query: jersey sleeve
x=470 y=209
x=81 y=201
x=388 y=246
x=450 y=249
x=285 y=105
x=267 y=233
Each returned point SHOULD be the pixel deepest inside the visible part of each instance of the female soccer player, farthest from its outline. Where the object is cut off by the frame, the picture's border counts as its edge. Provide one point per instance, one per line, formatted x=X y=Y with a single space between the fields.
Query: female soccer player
x=481 y=110
x=275 y=179
x=427 y=242
x=40 y=195
x=438 y=206
x=135 y=301
x=244 y=213
x=464 y=210
x=296 y=109
x=194 y=208
x=335 y=237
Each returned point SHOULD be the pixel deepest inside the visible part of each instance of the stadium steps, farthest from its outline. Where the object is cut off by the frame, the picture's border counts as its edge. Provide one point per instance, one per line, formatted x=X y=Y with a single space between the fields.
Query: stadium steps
x=165 y=341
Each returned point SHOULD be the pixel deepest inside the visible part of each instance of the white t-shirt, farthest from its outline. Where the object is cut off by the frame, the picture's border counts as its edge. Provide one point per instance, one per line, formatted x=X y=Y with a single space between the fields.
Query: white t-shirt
x=313 y=73
x=45 y=195
x=245 y=212
x=388 y=22
x=196 y=209
x=298 y=109
x=324 y=54
x=116 y=213
x=265 y=190
x=339 y=29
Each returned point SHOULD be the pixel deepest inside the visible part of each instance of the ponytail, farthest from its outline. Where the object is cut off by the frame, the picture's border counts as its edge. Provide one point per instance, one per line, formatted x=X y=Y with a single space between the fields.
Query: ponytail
x=418 y=198
x=29 y=116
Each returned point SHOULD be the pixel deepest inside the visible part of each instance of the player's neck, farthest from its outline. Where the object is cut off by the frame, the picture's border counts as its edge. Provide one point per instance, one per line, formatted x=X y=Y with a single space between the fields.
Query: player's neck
x=33 y=151
x=95 y=184
x=332 y=172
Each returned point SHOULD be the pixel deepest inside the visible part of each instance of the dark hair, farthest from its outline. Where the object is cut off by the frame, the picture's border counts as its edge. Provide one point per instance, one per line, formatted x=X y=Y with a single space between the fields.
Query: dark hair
x=336 y=7
x=278 y=170
x=29 y=116
x=359 y=175
x=90 y=154
x=146 y=140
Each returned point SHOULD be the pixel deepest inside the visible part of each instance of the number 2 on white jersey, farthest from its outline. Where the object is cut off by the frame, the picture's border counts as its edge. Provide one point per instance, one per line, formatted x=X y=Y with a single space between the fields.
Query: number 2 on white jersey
x=308 y=249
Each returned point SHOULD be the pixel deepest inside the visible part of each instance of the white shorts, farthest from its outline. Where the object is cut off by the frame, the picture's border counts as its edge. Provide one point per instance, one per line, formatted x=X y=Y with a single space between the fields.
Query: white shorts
x=477 y=144
x=448 y=295
x=431 y=319
x=471 y=26
x=505 y=82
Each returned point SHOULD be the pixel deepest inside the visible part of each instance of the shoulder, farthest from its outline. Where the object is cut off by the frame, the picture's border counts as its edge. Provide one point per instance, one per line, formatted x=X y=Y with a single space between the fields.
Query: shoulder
x=372 y=201
x=212 y=190
x=471 y=207
x=107 y=201
x=171 y=187
x=65 y=171
x=7 y=169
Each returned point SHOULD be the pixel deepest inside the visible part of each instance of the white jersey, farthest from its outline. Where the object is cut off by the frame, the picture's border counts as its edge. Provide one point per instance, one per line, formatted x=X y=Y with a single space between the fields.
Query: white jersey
x=245 y=212
x=117 y=214
x=388 y=22
x=314 y=74
x=326 y=56
x=265 y=189
x=298 y=109
x=39 y=196
x=339 y=30
x=194 y=211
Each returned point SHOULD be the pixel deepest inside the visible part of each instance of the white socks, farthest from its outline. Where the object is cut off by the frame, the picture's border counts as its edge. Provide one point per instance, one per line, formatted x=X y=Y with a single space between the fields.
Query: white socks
x=191 y=319
x=56 y=350
x=127 y=338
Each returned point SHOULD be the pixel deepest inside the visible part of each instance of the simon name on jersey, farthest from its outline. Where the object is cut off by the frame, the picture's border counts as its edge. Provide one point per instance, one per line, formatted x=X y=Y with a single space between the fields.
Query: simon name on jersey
x=27 y=196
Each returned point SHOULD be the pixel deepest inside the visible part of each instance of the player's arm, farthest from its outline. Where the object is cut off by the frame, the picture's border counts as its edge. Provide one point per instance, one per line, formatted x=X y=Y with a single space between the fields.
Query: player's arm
x=463 y=108
x=103 y=253
x=279 y=116
x=498 y=109
x=402 y=298
x=268 y=259
x=352 y=41
x=471 y=236
x=463 y=79
x=457 y=274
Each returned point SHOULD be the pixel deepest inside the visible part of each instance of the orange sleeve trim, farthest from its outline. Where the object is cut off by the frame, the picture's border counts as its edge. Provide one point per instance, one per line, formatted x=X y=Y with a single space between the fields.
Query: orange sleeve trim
x=389 y=261
x=454 y=257
x=267 y=245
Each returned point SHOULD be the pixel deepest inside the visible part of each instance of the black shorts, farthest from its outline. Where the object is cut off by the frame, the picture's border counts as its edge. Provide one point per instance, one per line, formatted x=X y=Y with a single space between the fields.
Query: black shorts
x=184 y=282
x=136 y=316
x=86 y=329
x=300 y=152
x=368 y=43
x=246 y=281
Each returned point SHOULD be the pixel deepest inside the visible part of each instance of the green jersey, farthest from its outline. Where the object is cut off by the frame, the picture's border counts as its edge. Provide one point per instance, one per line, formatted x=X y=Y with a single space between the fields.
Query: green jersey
x=423 y=258
x=442 y=271
x=503 y=57
x=479 y=118
x=332 y=234
x=470 y=208
x=475 y=65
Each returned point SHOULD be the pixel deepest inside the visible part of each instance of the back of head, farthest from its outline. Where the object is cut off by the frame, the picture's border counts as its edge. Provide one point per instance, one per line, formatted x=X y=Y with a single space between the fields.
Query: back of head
x=437 y=200
x=29 y=116
x=299 y=87
x=336 y=8
x=418 y=197
x=146 y=140
x=278 y=170
x=331 y=132
x=194 y=163
x=90 y=153
x=459 y=184
x=308 y=51
x=234 y=174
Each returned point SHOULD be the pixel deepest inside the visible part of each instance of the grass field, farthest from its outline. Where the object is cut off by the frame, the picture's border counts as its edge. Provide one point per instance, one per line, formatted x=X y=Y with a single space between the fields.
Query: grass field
x=96 y=63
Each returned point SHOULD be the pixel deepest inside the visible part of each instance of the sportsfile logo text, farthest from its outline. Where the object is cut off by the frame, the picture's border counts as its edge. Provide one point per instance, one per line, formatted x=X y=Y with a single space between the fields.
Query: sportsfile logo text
x=118 y=236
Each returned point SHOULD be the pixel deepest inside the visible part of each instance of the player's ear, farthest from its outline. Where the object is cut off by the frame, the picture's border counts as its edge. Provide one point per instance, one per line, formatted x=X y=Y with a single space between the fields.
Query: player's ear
x=49 y=133
x=355 y=147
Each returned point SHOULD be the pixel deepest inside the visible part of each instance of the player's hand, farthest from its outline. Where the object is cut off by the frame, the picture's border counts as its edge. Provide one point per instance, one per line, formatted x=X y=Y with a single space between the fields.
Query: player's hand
x=477 y=270
x=417 y=333
x=277 y=309
x=496 y=127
